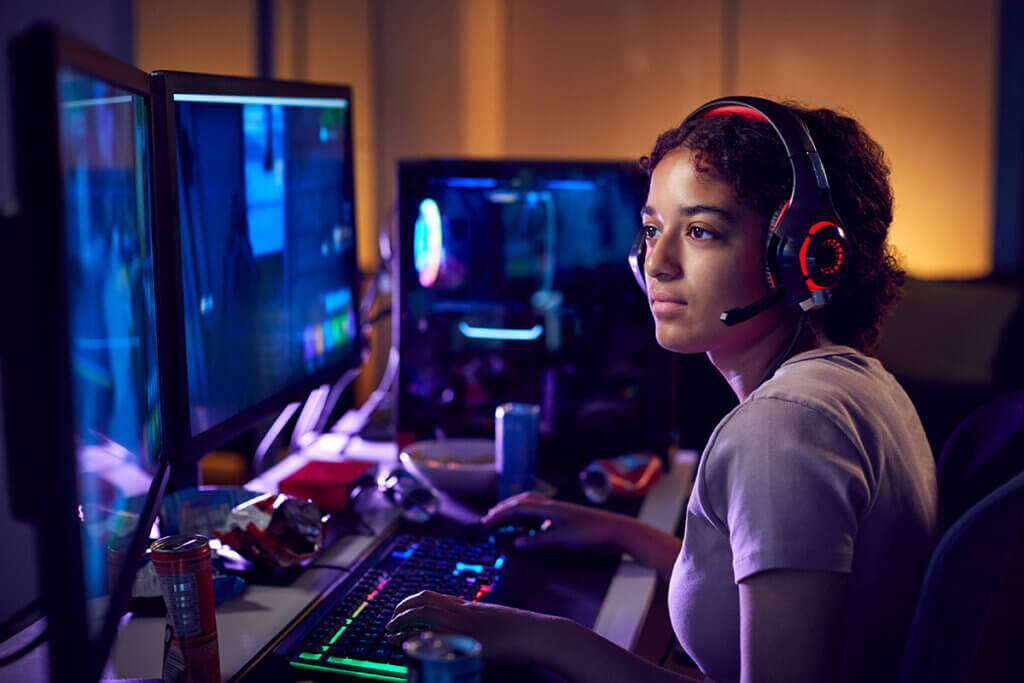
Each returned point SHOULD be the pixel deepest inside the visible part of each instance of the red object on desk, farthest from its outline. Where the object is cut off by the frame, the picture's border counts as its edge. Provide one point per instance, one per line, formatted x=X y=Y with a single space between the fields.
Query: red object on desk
x=324 y=483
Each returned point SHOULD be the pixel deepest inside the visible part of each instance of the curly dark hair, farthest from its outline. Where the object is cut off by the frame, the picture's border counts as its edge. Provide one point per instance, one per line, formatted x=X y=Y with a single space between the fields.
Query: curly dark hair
x=749 y=154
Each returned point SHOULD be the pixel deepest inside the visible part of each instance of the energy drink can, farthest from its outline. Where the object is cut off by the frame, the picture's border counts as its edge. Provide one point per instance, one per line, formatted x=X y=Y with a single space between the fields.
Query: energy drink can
x=448 y=658
x=627 y=475
x=515 y=447
x=185 y=572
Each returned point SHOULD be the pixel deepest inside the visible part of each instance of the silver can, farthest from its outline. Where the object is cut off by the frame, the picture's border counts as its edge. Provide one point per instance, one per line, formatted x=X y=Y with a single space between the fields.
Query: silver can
x=515 y=447
x=443 y=658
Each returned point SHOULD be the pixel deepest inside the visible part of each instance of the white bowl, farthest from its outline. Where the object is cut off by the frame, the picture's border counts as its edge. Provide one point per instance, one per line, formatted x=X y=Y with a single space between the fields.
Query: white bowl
x=460 y=467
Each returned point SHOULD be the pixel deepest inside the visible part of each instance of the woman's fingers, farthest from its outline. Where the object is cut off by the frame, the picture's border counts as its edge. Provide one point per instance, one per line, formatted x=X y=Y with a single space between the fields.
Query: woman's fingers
x=522 y=505
x=432 y=611
x=424 y=598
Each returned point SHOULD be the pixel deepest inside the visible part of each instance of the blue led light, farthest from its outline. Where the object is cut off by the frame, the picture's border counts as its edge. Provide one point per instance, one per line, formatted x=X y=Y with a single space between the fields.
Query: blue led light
x=471 y=182
x=498 y=562
x=463 y=567
x=500 y=333
x=406 y=555
x=586 y=185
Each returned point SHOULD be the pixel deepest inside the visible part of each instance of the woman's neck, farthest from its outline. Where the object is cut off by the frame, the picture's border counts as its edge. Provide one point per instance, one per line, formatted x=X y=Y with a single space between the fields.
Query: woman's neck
x=748 y=368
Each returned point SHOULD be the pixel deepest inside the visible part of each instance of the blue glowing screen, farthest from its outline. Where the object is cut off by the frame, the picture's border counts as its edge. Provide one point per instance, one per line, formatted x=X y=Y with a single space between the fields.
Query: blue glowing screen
x=267 y=233
x=105 y=157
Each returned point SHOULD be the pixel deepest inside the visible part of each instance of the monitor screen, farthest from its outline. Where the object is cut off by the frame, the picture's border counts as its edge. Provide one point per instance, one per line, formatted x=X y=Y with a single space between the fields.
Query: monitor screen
x=105 y=157
x=83 y=400
x=514 y=287
x=266 y=243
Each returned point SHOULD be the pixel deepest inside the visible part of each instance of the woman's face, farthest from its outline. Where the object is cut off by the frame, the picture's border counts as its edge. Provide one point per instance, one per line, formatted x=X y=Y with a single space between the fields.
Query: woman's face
x=704 y=256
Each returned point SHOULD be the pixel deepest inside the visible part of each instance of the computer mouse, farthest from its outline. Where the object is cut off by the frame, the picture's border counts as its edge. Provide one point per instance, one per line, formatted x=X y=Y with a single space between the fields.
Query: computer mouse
x=505 y=535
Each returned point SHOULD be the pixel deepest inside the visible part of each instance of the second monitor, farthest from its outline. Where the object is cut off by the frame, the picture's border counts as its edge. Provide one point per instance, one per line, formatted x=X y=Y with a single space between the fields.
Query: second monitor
x=263 y=261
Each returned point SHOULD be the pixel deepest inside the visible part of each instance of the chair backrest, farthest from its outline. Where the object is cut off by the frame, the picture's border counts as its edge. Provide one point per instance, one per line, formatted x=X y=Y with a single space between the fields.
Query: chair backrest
x=983 y=452
x=967 y=618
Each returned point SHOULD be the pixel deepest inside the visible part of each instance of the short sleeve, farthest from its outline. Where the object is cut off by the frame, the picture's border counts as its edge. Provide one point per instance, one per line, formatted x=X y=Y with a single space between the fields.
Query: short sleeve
x=787 y=485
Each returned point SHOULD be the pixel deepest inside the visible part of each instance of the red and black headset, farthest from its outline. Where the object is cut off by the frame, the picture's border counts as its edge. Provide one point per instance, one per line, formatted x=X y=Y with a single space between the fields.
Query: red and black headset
x=806 y=247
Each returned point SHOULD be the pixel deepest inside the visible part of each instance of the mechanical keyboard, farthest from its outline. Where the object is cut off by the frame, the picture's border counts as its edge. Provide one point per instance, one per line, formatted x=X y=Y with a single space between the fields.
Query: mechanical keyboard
x=345 y=633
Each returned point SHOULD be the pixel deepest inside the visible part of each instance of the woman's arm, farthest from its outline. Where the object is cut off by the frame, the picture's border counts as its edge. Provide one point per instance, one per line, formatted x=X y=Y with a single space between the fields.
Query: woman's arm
x=579 y=654
x=649 y=546
x=791 y=626
x=512 y=635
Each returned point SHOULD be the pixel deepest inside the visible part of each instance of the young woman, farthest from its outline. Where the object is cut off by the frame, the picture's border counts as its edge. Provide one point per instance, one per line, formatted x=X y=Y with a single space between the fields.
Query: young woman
x=814 y=509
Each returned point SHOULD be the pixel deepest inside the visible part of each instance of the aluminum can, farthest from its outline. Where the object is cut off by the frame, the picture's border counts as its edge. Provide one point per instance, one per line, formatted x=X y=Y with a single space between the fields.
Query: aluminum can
x=447 y=658
x=183 y=567
x=626 y=475
x=515 y=447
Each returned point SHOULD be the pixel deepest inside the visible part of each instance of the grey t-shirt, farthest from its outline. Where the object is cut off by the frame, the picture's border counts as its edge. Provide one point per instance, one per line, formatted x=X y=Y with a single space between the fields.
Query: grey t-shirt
x=825 y=466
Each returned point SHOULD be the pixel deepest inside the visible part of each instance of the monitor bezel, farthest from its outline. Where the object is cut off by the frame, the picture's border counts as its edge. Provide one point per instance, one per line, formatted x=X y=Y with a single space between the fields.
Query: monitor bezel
x=38 y=405
x=166 y=84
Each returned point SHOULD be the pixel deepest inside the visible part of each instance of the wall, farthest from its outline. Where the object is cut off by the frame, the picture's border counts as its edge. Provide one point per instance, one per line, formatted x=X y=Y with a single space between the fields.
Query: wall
x=921 y=77
x=601 y=78
x=191 y=35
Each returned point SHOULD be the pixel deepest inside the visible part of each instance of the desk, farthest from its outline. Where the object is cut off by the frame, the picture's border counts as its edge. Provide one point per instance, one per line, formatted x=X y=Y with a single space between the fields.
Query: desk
x=249 y=623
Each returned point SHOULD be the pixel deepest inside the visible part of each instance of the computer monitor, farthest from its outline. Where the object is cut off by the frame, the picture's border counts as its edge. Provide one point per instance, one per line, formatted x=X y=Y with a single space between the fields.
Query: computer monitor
x=513 y=287
x=262 y=245
x=82 y=390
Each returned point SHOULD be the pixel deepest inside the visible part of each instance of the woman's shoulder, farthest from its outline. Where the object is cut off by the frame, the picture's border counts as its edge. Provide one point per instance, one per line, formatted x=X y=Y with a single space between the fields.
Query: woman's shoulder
x=829 y=377
x=835 y=388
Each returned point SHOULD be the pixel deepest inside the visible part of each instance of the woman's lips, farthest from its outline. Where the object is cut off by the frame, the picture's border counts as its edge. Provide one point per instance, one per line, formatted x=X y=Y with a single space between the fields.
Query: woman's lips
x=664 y=304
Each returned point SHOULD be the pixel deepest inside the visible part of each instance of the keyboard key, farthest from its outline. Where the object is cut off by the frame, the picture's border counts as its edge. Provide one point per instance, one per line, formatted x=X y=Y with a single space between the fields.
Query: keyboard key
x=380 y=653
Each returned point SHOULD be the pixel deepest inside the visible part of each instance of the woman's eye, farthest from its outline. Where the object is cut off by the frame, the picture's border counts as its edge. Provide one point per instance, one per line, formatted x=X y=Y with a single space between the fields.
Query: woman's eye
x=699 y=233
x=650 y=232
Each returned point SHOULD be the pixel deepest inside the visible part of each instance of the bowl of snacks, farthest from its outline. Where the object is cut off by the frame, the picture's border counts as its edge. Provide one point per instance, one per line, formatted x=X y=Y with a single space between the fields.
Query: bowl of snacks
x=459 y=467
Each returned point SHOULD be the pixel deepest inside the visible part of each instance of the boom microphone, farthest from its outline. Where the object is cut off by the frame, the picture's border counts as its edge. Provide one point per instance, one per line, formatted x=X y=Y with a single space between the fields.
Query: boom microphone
x=734 y=316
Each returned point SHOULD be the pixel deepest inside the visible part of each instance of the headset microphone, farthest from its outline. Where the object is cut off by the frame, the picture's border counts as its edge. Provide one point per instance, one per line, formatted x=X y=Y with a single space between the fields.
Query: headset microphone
x=735 y=316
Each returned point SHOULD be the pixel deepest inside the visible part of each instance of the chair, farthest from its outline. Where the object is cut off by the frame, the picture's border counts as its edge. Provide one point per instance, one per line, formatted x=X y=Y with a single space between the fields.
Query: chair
x=984 y=450
x=972 y=598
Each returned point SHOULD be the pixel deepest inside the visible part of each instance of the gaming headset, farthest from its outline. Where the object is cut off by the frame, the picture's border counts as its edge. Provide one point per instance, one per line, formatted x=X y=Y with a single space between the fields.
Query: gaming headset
x=806 y=245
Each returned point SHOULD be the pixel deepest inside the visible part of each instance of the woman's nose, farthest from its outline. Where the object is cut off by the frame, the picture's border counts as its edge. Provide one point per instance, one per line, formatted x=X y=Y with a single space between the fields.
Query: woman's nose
x=661 y=261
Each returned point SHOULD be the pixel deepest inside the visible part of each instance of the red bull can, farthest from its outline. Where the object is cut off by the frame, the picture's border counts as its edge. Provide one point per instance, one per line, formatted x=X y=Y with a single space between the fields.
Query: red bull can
x=515 y=447
x=447 y=658
x=185 y=572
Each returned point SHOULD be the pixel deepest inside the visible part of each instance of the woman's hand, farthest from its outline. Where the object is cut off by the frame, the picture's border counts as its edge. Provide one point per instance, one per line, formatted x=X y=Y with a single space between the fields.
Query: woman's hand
x=572 y=526
x=504 y=633
x=578 y=526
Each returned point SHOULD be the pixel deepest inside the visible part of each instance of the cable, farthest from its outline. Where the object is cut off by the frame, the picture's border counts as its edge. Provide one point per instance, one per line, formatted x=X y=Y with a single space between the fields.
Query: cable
x=18 y=654
x=12 y=624
x=329 y=566
x=320 y=424
x=362 y=415
x=784 y=354
x=378 y=317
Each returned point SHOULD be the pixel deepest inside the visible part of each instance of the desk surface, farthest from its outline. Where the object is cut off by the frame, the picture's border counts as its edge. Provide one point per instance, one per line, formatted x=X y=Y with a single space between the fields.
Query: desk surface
x=248 y=624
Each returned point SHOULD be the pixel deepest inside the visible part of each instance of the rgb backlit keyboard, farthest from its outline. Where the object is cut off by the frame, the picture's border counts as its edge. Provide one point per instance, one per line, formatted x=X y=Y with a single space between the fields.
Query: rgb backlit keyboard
x=349 y=636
